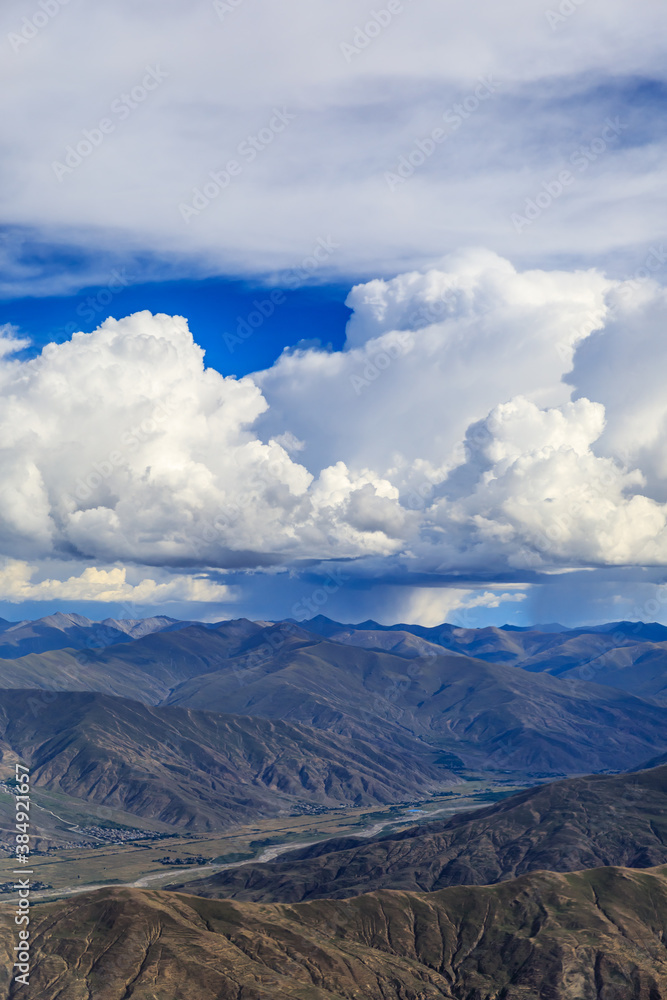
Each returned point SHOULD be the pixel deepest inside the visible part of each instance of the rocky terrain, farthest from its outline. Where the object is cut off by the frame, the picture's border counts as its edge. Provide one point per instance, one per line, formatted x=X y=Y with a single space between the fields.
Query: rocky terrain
x=544 y=936
x=562 y=826
x=201 y=771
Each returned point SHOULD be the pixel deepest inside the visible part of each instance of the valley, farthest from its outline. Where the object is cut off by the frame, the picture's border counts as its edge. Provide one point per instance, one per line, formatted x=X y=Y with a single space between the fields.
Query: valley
x=569 y=825
x=78 y=867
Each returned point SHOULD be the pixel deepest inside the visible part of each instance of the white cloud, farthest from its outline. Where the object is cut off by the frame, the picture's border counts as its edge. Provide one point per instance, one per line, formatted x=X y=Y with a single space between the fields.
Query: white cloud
x=120 y=445
x=540 y=496
x=625 y=371
x=466 y=454
x=325 y=174
x=467 y=374
x=9 y=342
x=429 y=354
x=430 y=606
x=110 y=586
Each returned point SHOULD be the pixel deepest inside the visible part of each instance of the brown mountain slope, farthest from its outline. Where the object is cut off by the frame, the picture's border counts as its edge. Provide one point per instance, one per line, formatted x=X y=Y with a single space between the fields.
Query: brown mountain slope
x=564 y=826
x=199 y=770
x=597 y=934
x=489 y=714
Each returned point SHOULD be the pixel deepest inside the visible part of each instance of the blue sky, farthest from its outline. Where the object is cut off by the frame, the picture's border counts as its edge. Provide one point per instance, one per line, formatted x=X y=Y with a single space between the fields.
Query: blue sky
x=216 y=308
x=423 y=255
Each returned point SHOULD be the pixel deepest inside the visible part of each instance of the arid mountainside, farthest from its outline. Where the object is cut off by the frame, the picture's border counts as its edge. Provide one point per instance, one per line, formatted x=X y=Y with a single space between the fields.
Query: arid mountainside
x=596 y=934
x=199 y=770
x=563 y=826
x=640 y=669
x=558 y=892
x=492 y=716
x=628 y=655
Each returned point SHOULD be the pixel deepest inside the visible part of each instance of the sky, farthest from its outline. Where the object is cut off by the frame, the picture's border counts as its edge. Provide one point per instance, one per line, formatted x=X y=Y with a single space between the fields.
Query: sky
x=344 y=309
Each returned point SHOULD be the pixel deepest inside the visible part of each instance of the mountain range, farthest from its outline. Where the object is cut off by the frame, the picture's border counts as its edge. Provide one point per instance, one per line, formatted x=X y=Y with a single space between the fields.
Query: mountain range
x=389 y=690
x=558 y=892
x=488 y=715
x=201 y=771
x=626 y=655
x=71 y=631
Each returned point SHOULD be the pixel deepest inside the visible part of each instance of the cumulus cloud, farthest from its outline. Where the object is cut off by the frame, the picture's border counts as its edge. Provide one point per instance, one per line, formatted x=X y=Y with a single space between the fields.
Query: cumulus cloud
x=428 y=354
x=120 y=445
x=540 y=497
x=457 y=385
x=486 y=440
x=109 y=586
x=623 y=369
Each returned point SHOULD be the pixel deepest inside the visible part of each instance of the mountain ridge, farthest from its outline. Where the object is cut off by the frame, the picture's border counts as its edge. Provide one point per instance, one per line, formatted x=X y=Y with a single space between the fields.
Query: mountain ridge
x=199 y=770
x=543 y=936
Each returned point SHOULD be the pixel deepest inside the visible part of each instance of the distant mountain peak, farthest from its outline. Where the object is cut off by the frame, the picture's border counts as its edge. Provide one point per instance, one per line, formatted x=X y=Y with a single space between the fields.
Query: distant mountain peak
x=64 y=619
